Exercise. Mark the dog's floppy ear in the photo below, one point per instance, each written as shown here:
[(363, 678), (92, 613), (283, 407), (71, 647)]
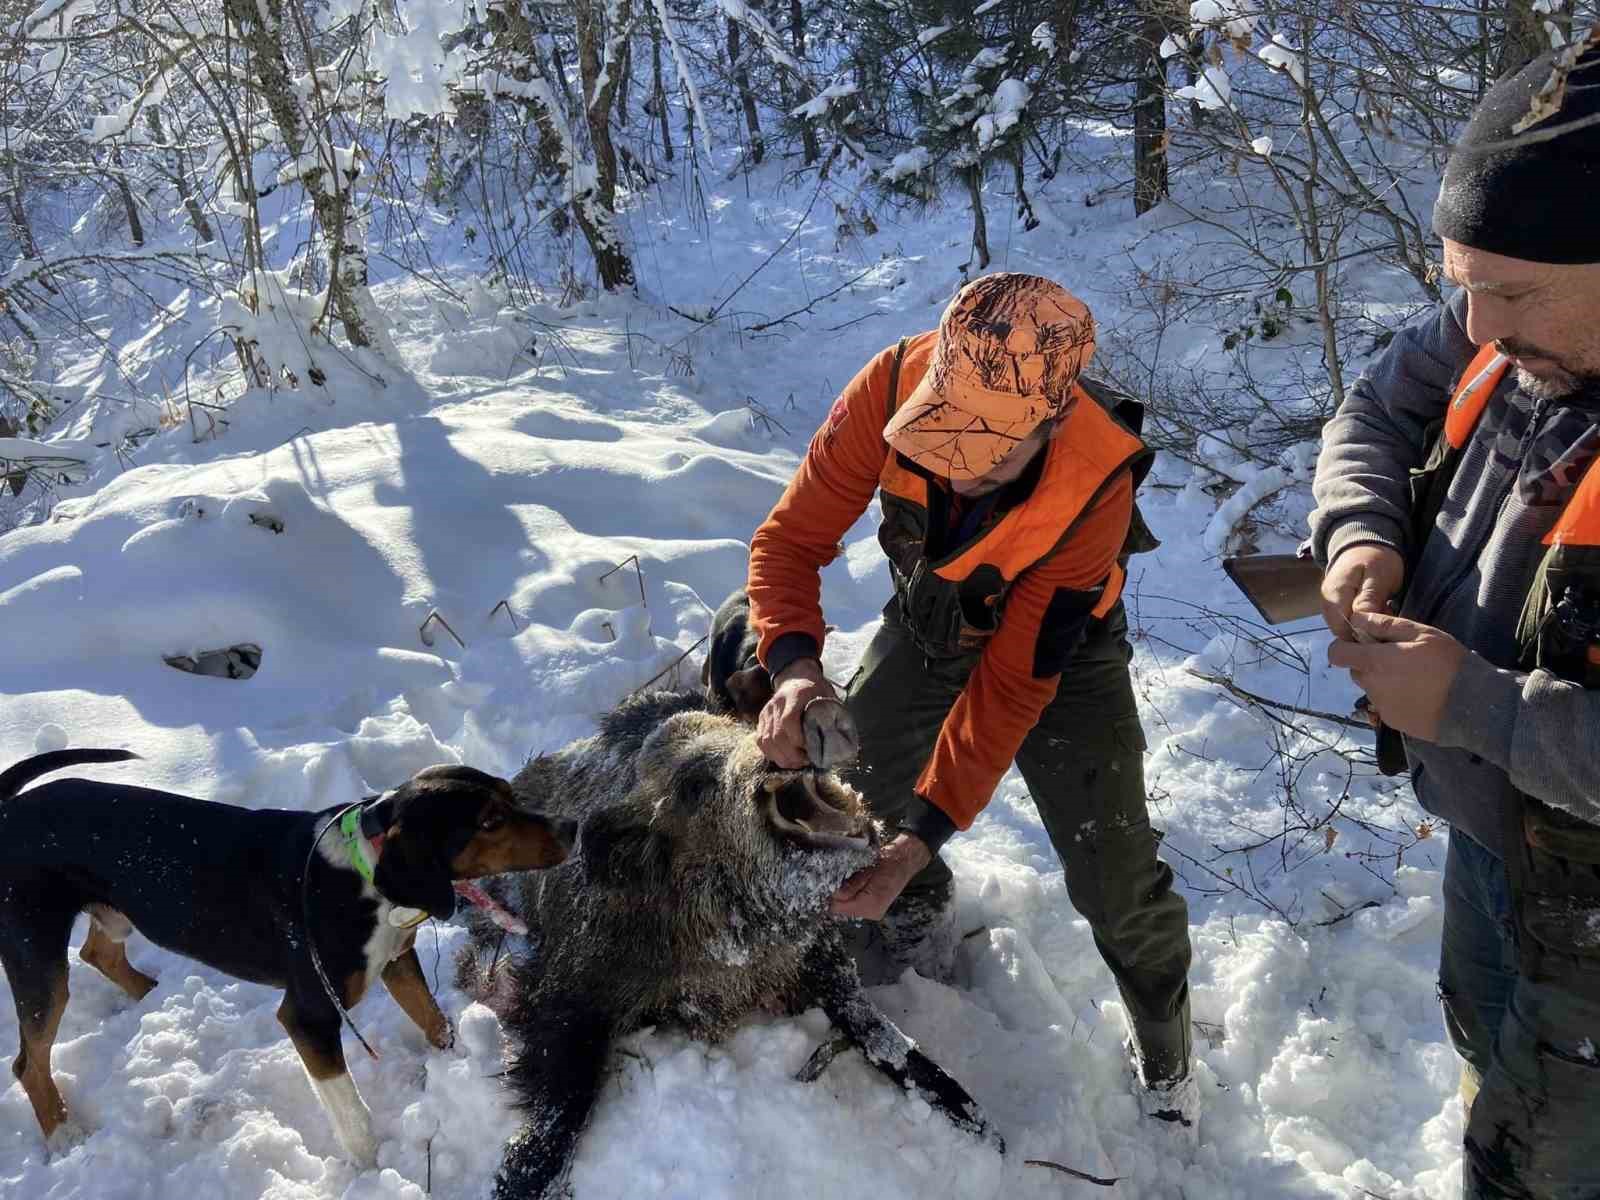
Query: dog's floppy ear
[(616, 845), (413, 874), (750, 688)]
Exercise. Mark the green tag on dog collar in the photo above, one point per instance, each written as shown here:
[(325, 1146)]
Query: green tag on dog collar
[(355, 844)]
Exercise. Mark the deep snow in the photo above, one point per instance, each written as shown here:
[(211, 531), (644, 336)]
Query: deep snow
[(490, 475)]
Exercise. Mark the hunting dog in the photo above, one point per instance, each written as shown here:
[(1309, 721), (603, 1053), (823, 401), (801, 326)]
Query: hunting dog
[(319, 904)]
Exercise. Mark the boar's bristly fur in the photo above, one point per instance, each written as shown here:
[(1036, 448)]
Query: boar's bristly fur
[(698, 892)]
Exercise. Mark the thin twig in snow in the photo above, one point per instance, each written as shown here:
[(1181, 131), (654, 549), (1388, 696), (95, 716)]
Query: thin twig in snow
[(1073, 1171)]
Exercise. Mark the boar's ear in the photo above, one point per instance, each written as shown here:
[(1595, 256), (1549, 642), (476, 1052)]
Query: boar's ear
[(618, 846)]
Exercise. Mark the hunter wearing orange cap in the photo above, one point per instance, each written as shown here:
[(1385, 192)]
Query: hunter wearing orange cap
[(1007, 481)]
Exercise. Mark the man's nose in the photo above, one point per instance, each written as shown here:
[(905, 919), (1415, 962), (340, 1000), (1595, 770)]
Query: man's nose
[(1489, 319)]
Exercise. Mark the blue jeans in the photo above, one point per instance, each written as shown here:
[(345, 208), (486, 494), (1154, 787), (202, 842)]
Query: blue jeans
[(1478, 952), (1521, 999)]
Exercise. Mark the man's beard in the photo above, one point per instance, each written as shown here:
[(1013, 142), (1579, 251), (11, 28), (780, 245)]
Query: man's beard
[(1561, 386), (1562, 382)]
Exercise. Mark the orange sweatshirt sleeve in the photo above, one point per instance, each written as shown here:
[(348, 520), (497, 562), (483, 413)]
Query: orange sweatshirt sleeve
[(1044, 618), (829, 492)]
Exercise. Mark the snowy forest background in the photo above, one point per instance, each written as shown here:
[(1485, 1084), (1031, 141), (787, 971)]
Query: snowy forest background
[(319, 321), (153, 147)]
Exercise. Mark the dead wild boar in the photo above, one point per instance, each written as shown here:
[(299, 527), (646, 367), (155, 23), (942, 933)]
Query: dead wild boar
[(698, 892)]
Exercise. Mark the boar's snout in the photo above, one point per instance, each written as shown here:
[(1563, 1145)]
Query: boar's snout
[(816, 810)]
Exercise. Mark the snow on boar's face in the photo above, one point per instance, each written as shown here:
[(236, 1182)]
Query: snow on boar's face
[(710, 818)]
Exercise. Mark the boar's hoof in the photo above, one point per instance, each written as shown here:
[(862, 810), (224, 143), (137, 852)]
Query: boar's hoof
[(830, 733), (822, 1058)]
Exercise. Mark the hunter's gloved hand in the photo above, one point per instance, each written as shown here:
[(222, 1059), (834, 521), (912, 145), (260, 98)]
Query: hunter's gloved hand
[(781, 727), (869, 892), (1363, 578)]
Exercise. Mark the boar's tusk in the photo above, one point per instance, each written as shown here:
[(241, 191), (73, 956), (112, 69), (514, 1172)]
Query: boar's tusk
[(802, 828)]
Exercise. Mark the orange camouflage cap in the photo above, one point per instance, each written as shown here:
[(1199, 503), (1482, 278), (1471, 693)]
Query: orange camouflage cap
[(1010, 348)]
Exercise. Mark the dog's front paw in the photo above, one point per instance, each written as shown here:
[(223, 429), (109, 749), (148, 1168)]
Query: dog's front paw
[(352, 1120), (830, 732), (68, 1136), (360, 1149), (442, 1036)]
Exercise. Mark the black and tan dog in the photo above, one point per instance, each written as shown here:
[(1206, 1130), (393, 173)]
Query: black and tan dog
[(734, 681), (232, 888)]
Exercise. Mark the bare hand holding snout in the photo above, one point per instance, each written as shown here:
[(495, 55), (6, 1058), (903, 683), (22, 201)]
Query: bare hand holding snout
[(869, 892), (804, 724)]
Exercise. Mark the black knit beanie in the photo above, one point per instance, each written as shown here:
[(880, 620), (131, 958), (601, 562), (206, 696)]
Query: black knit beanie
[(1535, 200)]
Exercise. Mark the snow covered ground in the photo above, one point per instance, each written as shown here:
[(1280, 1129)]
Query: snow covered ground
[(492, 476)]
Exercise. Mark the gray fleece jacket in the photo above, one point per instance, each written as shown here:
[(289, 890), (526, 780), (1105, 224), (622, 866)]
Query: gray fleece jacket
[(1505, 732)]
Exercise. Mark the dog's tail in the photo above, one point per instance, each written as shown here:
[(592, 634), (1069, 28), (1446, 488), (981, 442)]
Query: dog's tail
[(25, 772)]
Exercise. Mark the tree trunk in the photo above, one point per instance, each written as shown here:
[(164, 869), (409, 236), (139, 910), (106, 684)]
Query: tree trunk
[(180, 177), (20, 229), (741, 80), (593, 204), (260, 24), (599, 52), (797, 31), (610, 259), (980, 227), (786, 101), (624, 84), (1064, 24), (1030, 219), (135, 225), (598, 46), (1150, 117), (659, 96), (1524, 38), (1483, 58), (558, 72)]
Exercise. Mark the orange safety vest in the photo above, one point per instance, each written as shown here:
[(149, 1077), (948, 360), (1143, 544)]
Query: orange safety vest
[(952, 604), (1560, 625), (1559, 631)]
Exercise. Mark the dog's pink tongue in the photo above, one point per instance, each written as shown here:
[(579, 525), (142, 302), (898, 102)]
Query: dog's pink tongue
[(478, 898)]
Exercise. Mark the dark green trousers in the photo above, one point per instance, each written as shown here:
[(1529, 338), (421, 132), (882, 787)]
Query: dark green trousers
[(1083, 764), (1520, 982)]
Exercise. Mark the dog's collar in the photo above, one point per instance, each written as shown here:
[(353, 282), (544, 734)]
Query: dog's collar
[(362, 844), (362, 829)]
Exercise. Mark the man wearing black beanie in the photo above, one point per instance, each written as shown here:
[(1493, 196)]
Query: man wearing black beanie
[(1455, 486)]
